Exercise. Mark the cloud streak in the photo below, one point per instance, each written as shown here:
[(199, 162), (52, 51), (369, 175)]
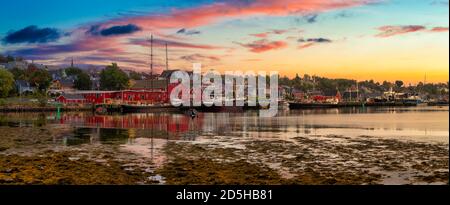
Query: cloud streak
[(174, 44), (263, 45), (188, 32), (271, 32), (32, 34), (114, 30), (307, 43), (390, 31), (199, 57), (439, 29), (206, 14)]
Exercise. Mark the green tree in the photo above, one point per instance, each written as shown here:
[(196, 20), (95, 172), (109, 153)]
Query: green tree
[(39, 78), (135, 75), (6, 82), (83, 81), (19, 74), (112, 78), (73, 71)]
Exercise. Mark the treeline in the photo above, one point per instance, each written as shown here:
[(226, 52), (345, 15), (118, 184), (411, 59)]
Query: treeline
[(307, 83), (111, 78)]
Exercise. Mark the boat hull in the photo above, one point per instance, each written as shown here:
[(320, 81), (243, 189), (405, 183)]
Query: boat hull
[(295, 105)]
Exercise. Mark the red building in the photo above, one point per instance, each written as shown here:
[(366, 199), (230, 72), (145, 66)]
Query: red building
[(71, 99), (152, 91)]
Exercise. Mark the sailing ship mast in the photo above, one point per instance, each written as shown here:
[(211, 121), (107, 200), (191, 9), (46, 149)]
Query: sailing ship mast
[(167, 59), (151, 56), (151, 62)]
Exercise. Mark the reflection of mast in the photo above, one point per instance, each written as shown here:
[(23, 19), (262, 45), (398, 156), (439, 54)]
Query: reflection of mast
[(151, 148), (151, 140)]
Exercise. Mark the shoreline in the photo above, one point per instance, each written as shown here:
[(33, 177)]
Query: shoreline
[(43, 109), (171, 109)]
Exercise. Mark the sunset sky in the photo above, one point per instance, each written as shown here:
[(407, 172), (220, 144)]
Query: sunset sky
[(359, 39)]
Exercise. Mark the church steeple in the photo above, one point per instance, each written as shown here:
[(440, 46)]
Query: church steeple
[(71, 64)]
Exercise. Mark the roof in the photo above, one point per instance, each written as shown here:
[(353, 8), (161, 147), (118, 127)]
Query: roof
[(150, 84), (167, 73), (66, 82)]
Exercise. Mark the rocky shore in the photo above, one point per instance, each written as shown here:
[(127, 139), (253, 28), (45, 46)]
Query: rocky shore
[(36, 155)]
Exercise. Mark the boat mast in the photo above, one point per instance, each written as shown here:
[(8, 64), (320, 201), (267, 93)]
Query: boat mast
[(151, 62), (151, 56), (167, 58)]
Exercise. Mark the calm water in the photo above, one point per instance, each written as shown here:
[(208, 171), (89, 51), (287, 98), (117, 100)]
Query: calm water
[(426, 124)]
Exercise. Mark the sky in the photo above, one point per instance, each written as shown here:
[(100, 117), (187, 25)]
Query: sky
[(359, 39)]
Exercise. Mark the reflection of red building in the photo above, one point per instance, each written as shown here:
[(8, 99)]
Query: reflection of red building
[(168, 123)]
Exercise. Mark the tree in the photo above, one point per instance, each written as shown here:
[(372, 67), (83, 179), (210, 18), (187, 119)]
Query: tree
[(399, 83), (112, 78), (19, 74), (3, 59), (83, 81), (73, 71), (10, 59), (39, 78), (135, 75), (6, 82)]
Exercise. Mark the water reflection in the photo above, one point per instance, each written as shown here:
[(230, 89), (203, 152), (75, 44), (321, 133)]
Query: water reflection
[(417, 123)]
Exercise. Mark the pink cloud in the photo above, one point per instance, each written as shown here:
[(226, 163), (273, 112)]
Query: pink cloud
[(266, 34), (260, 35), (264, 45), (389, 31), (199, 57), (306, 45), (157, 42), (206, 14), (439, 29)]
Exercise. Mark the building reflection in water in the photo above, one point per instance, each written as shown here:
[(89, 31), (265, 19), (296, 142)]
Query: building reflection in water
[(121, 129)]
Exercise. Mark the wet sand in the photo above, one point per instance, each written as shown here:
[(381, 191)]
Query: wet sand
[(29, 155), (316, 160)]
